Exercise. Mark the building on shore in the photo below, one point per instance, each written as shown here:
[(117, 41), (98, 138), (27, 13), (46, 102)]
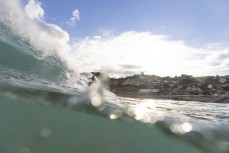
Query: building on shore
[(148, 90)]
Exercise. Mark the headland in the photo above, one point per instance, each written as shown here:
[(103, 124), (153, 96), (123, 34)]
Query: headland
[(185, 87)]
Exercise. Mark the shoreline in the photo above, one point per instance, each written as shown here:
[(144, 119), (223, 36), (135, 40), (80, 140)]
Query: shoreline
[(199, 98)]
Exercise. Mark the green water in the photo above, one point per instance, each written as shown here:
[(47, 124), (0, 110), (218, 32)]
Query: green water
[(67, 131)]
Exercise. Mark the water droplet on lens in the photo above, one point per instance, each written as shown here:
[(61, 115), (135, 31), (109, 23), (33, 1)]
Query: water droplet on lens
[(223, 146), (24, 150), (186, 127), (210, 86), (45, 132), (181, 128), (113, 116), (222, 80), (130, 111), (96, 100), (146, 118), (72, 101)]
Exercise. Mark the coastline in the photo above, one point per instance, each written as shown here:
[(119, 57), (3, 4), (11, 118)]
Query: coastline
[(199, 98)]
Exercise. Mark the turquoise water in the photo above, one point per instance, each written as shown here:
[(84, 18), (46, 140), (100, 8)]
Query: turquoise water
[(45, 107)]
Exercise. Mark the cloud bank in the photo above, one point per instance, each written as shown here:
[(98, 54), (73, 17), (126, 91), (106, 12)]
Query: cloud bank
[(134, 52), (118, 55)]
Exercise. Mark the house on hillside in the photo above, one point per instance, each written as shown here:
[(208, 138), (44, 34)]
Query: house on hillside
[(132, 82), (148, 91)]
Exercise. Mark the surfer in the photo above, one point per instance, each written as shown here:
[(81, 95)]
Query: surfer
[(93, 79), (100, 77)]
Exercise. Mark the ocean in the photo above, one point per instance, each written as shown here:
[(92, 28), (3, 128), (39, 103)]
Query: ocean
[(46, 107)]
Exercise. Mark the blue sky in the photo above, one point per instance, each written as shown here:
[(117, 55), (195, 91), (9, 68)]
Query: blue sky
[(197, 22), (125, 37)]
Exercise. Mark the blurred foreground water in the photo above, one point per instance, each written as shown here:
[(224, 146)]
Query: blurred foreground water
[(37, 115)]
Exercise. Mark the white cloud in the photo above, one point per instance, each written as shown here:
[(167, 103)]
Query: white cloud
[(75, 17), (34, 10), (134, 52)]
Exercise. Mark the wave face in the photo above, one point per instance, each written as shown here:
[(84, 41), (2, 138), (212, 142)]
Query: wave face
[(16, 55), (36, 80)]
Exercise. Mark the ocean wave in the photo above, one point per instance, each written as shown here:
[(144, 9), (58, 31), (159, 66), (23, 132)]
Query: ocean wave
[(18, 54)]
